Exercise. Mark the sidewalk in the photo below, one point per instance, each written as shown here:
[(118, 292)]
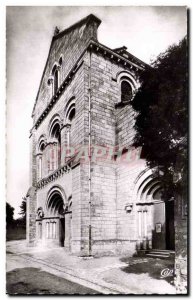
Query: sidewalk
[(114, 275)]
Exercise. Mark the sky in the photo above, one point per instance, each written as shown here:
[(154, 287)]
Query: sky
[(145, 31)]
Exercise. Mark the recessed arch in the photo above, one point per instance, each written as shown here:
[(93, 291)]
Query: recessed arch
[(56, 200), (41, 143), (54, 134), (71, 112), (144, 193), (127, 86), (69, 106), (56, 119), (126, 75), (155, 191), (55, 67), (153, 186), (143, 185)]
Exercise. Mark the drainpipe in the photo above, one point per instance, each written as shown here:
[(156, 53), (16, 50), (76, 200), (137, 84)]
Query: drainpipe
[(89, 153)]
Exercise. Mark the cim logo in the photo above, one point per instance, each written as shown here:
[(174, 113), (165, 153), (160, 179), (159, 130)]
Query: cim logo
[(166, 273)]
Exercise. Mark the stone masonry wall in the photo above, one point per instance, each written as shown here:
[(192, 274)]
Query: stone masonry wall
[(112, 228), (76, 90), (70, 47)]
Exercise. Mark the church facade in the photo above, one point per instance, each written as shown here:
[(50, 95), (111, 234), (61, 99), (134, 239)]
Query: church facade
[(90, 190)]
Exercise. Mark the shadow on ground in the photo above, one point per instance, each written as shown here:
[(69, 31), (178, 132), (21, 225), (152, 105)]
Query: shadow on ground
[(34, 281), (156, 268)]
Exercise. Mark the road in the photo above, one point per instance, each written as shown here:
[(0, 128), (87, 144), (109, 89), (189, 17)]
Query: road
[(25, 277)]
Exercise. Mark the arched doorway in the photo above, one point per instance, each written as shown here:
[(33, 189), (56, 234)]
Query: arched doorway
[(58, 226), (155, 215)]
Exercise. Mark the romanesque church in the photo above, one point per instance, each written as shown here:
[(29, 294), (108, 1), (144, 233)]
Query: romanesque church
[(90, 191)]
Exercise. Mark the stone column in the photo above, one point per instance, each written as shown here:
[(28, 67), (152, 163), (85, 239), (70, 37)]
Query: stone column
[(68, 217), (31, 217), (65, 143)]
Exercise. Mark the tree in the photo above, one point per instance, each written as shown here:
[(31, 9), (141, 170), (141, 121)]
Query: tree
[(23, 208), (161, 125), (9, 214)]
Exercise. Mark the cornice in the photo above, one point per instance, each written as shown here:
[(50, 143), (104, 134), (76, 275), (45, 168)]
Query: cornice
[(57, 173)]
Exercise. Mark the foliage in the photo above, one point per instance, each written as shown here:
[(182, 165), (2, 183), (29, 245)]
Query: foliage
[(23, 209), (161, 125), (9, 214)]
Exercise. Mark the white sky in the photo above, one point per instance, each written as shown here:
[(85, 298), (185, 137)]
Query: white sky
[(145, 31)]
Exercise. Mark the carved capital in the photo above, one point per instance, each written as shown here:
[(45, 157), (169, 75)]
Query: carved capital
[(40, 212)]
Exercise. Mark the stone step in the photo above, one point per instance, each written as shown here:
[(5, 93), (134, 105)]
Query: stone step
[(157, 255), (160, 250)]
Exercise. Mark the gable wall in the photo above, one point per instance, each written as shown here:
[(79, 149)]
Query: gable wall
[(70, 46)]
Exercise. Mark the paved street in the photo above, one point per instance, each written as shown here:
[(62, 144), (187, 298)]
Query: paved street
[(35, 281), (48, 271)]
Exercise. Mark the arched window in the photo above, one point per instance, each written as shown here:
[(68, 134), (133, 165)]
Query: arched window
[(128, 85), (126, 91), (61, 69), (60, 61), (56, 78), (70, 116), (71, 113), (55, 149), (40, 158)]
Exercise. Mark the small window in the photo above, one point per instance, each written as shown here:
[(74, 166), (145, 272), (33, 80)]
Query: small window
[(71, 115), (60, 61), (126, 91), (56, 78)]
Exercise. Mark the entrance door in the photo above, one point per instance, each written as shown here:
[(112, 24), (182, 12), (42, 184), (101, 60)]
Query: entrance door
[(159, 228), (163, 235), (62, 232)]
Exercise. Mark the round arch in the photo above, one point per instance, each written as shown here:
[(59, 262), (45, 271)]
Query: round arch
[(69, 109), (56, 119), (125, 75), (41, 143), (144, 186), (56, 200), (55, 67)]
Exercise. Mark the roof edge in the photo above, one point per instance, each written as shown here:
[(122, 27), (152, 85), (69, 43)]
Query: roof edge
[(87, 19)]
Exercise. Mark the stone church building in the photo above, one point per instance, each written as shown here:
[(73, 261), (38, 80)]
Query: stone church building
[(90, 191)]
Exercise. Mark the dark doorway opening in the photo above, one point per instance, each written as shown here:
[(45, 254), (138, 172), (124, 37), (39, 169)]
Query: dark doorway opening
[(170, 231), (62, 231)]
